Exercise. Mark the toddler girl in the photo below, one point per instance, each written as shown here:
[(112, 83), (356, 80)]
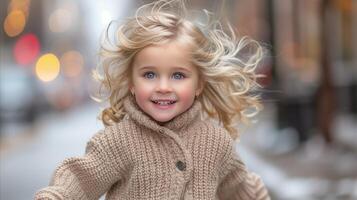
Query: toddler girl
[(169, 83)]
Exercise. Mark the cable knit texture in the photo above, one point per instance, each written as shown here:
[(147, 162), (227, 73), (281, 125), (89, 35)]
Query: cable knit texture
[(137, 158)]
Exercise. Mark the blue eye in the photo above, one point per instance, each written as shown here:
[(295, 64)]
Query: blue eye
[(178, 75), (149, 75)]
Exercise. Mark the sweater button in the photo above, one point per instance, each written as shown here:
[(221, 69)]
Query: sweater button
[(181, 165)]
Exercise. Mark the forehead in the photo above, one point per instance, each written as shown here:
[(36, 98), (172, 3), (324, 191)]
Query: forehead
[(172, 54)]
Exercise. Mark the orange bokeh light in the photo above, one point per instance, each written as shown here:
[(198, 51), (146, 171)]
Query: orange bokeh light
[(22, 5), (14, 23)]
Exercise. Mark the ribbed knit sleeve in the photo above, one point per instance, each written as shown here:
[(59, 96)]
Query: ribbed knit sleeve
[(86, 177), (238, 183)]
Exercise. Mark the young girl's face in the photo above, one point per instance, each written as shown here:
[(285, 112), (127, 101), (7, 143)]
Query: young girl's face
[(164, 80)]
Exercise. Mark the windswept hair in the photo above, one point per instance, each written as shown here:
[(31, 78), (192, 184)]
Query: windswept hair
[(226, 64)]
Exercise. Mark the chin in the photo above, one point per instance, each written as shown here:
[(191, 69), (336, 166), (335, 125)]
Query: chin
[(163, 119)]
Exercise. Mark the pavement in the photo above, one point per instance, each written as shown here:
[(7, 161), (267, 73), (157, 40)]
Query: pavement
[(309, 171), (29, 160), (312, 171)]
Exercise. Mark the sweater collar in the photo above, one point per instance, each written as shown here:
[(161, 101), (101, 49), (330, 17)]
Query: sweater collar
[(175, 124)]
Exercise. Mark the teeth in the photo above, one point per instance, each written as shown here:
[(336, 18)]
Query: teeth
[(163, 102)]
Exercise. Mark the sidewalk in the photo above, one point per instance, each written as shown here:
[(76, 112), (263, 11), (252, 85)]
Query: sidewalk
[(312, 171), (30, 159)]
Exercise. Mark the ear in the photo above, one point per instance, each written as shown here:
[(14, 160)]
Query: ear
[(132, 90), (199, 88)]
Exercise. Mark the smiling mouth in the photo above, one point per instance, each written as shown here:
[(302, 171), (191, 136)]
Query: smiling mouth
[(163, 102)]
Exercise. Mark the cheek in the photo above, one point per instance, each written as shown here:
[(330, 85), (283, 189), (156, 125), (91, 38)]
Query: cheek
[(142, 90), (142, 95), (187, 92)]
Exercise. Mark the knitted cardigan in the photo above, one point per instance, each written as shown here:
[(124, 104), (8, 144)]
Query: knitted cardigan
[(137, 158)]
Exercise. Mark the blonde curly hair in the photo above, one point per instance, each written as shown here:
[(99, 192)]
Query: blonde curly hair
[(226, 64)]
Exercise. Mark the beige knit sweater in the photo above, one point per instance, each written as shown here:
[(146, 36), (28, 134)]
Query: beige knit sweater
[(186, 158)]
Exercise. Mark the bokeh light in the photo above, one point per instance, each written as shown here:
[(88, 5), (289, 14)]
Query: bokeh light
[(26, 49), (72, 63), (22, 5), (47, 67), (344, 5), (60, 21), (14, 23)]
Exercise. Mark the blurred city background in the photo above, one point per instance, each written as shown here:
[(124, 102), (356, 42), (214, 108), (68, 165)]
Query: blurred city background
[(304, 143)]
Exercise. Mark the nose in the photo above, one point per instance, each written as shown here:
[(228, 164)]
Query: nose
[(164, 86)]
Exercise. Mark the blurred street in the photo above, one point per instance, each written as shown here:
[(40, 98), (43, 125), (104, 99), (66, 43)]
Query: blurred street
[(313, 171), (27, 166)]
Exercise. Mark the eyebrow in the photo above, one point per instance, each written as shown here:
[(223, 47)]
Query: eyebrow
[(174, 68)]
